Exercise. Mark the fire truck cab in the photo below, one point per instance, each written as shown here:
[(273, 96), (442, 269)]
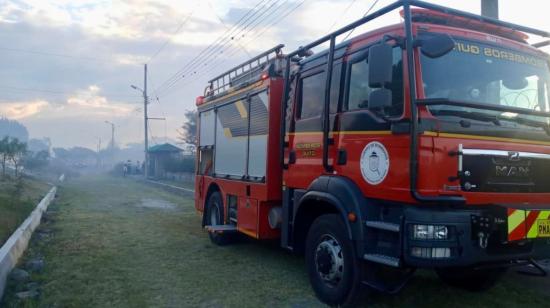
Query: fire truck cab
[(424, 144)]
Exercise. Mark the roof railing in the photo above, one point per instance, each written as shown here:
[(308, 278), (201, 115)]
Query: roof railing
[(224, 81)]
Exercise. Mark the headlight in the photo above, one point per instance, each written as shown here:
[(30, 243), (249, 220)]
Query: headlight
[(430, 232)]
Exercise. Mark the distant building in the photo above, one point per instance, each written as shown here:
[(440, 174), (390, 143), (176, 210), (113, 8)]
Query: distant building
[(161, 156)]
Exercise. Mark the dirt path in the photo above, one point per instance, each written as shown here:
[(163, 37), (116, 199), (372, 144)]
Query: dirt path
[(111, 242)]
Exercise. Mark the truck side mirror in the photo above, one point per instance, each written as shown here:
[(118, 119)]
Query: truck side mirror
[(380, 65), (380, 99), (436, 46)]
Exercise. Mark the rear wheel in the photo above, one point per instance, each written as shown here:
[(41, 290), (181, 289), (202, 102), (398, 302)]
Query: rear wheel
[(470, 279), (334, 271), (214, 217)]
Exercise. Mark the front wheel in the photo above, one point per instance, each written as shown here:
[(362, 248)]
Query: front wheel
[(334, 271), (468, 278)]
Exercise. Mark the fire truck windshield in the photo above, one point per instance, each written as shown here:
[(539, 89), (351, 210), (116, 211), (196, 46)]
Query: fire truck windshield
[(487, 74)]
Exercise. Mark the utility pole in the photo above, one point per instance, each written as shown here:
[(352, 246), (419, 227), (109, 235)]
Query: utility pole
[(112, 133), (98, 151), (145, 102), (489, 8), (145, 117)]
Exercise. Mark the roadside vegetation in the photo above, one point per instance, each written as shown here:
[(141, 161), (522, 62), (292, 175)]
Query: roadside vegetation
[(114, 242), (18, 197)]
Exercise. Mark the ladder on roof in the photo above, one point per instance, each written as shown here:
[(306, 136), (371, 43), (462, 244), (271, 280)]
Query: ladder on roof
[(224, 81)]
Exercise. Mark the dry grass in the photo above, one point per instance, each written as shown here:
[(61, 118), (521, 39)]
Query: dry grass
[(110, 249)]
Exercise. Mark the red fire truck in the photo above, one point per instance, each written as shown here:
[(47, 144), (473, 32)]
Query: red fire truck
[(424, 144)]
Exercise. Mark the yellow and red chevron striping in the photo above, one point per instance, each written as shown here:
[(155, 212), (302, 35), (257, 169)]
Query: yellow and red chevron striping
[(523, 224)]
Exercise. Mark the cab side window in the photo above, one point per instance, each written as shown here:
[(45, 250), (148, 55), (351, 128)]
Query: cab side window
[(312, 96), (358, 84)]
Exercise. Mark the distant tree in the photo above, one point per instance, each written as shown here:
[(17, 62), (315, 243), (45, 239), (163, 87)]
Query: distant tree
[(13, 129), (36, 160), (16, 152), (37, 145), (4, 148), (61, 153), (187, 133)]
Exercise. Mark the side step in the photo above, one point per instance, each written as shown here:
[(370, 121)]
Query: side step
[(221, 228), (382, 259), (387, 226)]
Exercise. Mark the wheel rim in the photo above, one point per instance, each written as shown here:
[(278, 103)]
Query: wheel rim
[(214, 214), (329, 261)]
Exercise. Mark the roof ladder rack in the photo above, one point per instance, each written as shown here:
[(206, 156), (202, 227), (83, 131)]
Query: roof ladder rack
[(223, 82)]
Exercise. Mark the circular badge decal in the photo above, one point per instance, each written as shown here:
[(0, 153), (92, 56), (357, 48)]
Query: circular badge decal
[(375, 163)]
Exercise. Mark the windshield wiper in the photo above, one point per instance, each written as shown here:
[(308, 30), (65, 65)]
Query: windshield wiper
[(481, 106), (523, 121), (478, 116)]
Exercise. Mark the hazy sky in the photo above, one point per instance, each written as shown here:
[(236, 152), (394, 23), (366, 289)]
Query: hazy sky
[(67, 65)]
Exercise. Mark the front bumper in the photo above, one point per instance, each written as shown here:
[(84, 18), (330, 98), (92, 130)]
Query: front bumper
[(475, 236)]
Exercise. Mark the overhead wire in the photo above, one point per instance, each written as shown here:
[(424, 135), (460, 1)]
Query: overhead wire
[(169, 39), (55, 54), (367, 13), (213, 43), (56, 92), (273, 21), (226, 27), (209, 61), (221, 41), (218, 45), (338, 18)]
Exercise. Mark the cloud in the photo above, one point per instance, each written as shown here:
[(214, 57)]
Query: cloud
[(92, 103), (20, 110)]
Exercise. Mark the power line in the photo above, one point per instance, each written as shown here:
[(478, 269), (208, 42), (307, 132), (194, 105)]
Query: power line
[(220, 39), (221, 49), (367, 13), (53, 54), (276, 18), (59, 92), (225, 26), (273, 21), (169, 39), (212, 47), (341, 15)]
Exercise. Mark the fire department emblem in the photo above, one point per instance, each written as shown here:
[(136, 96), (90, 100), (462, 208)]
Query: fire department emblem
[(375, 163)]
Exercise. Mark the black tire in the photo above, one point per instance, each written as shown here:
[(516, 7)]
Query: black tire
[(328, 245), (214, 210), (468, 278)]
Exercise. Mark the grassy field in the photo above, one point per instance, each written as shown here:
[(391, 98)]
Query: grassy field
[(118, 243), (17, 201)]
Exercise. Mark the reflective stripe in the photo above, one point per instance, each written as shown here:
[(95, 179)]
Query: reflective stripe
[(516, 224), (533, 231), (514, 220)]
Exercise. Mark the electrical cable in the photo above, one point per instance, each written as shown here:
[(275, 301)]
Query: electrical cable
[(209, 47), (275, 20), (169, 39), (213, 56), (367, 13)]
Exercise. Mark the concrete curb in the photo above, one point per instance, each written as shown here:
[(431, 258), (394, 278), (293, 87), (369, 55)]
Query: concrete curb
[(16, 245)]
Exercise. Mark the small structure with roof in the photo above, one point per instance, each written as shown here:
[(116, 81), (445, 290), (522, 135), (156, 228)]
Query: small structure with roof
[(160, 157)]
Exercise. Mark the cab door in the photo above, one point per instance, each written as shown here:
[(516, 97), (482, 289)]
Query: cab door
[(368, 151), (305, 136)]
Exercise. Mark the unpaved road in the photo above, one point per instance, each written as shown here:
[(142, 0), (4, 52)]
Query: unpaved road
[(112, 242)]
